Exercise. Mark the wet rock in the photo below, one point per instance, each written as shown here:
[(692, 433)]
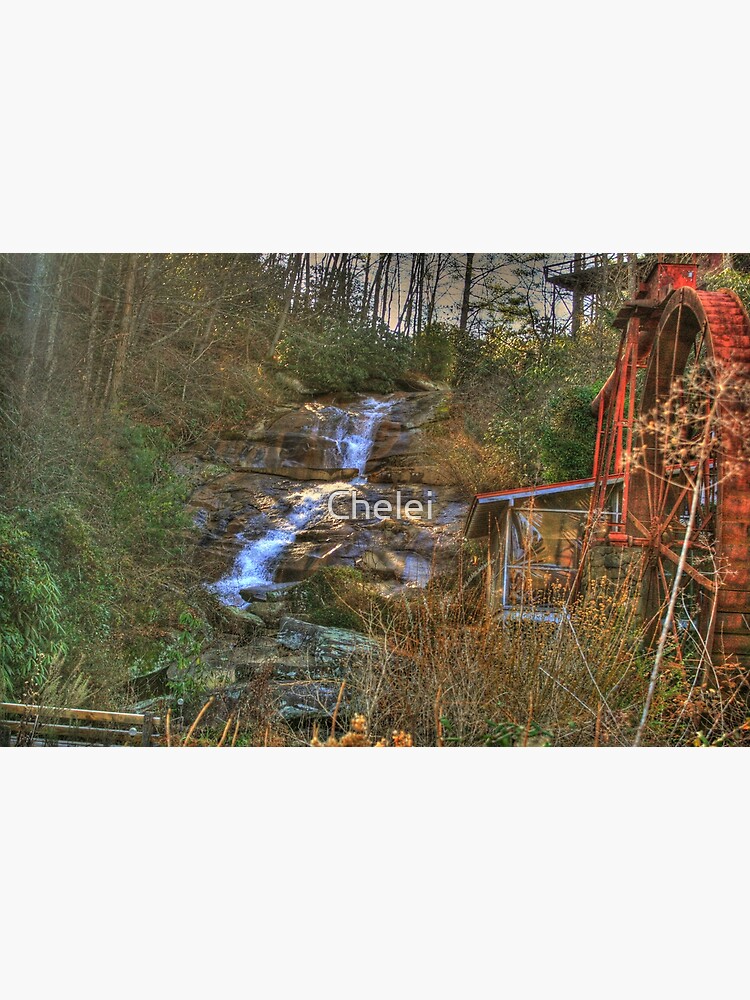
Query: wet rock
[(295, 440), (381, 476), (298, 564), (229, 451), (244, 617), (388, 524), (395, 444), (386, 428), (303, 472), (404, 566), (308, 700), (278, 595), (330, 647), (325, 533), (383, 563), (310, 437), (253, 594), (270, 612)]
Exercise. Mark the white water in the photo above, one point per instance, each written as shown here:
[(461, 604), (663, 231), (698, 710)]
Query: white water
[(352, 435), (356, 434), (256, 562)]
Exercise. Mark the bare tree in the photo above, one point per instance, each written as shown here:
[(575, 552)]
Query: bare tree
[(126, 332), (463, 324)]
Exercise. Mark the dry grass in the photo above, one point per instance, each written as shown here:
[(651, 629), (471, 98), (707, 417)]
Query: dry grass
[(452, 672)]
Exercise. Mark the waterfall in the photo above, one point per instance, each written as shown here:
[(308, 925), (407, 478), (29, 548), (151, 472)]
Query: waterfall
[(350, 436), (255, 564), (349, 433), (356, 443)]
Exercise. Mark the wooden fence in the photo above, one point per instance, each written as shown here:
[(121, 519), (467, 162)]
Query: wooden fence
[(42, 725)]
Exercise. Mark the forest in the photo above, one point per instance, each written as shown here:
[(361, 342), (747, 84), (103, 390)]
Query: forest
[(170, 429)]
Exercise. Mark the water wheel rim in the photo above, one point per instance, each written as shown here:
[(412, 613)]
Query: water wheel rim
[(701, 336)]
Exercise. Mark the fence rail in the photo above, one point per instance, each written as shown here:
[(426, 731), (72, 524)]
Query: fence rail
[(32, 724)]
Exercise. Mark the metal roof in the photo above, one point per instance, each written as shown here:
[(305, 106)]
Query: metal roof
[(484, 505)]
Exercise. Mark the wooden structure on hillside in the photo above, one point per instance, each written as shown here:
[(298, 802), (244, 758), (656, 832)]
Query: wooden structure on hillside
[(586, 286)]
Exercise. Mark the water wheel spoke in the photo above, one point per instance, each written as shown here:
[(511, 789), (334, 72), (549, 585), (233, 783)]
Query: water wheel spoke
[(664, 581), (700, 342), (679, 502), (704, 581)]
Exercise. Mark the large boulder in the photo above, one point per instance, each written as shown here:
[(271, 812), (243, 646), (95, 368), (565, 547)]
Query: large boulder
[(241, 617), (307, 700), (331, 648), (296, 440)]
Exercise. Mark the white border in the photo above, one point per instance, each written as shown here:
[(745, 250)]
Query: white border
[(406, 126)]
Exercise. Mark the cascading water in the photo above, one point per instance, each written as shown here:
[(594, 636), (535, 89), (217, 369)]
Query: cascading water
[(350, 434), (255, 564)]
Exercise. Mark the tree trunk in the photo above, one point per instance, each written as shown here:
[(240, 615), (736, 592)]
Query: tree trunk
[(146, 297), (376, 291), (33, 319), (421, 274), (307, 279), (405, 314), (365, 289), (106, 355), (126, 331), (293, 267), (327, 281), (466, 299), (632, 275), (577, 318), (385, 307), (94, 326), (50, 357), (432, 304)]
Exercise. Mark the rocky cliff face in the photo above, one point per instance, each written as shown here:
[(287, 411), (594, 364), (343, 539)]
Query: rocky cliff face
[(267, 520)]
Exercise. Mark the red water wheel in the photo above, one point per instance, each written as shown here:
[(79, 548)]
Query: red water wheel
[(687, 480)]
